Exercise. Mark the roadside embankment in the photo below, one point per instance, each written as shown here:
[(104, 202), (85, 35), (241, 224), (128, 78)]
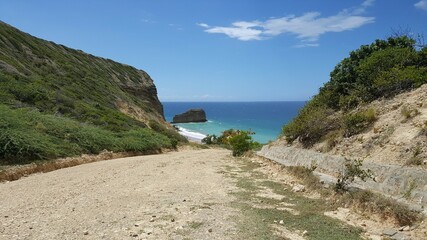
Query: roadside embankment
[(404, 184)]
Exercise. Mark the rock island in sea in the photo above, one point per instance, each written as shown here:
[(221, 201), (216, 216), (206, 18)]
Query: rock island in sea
[(192, 115)]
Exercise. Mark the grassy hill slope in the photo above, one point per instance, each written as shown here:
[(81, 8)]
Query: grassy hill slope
[(56, 101)]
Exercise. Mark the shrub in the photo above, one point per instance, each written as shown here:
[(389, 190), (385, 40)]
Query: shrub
[(172, 134), (307, 177), (357, 122), (415, 159), (331, 140), (370, 202), (27, 135), (352, 169), (396, 80), (408, 113), (93, 140), (241, 143), (142, 140), (311, 124), (226, 135)]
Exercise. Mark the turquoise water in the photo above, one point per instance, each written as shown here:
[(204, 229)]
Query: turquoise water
[(264, 118)]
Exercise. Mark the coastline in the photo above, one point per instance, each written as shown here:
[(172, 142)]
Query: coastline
[(191, 136)]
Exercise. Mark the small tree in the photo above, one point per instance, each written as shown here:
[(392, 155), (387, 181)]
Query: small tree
[(351, 171), (241, 142)]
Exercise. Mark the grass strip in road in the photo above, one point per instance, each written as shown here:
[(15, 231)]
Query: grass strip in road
[(262, 215)]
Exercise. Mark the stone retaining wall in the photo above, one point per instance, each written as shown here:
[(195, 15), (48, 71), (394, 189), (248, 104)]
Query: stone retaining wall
[(391, 180)]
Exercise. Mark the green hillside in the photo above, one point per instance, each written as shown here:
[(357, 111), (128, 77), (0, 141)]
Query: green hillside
[(381, 69), (56, 101)]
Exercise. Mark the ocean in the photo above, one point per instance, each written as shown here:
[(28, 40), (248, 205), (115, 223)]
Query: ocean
[(264, 118)]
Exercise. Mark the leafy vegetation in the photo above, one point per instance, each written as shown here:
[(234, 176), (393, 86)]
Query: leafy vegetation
[(356, 122), (381, 69), (353, 169), (239, 141), (56, 102), (27, 135)]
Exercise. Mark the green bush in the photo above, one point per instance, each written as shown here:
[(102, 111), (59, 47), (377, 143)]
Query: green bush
[(173, 135), (311, 124), (396, 80), (352, 169), (357, 122), (93, 140), (142, 140), (381, 69), (241, 143)]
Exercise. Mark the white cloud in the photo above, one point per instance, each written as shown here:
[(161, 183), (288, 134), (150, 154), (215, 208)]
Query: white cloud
[(421, 5), (303, 45), (244, 31), (362, 8), (368, 3), (203, 25), (307, 27)]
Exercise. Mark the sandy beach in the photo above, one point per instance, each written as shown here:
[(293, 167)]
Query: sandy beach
[(191, 136)]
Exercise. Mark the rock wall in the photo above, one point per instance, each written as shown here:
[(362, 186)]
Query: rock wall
[(391, 180)]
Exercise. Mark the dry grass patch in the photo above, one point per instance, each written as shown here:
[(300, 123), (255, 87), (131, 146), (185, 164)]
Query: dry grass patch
[(16, 172)]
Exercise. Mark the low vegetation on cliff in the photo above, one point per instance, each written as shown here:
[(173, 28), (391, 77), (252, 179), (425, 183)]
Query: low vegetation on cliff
[(56, 102), (382, 69)]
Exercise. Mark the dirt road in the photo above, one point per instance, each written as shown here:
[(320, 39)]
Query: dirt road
[(190, 194), (168, 196)]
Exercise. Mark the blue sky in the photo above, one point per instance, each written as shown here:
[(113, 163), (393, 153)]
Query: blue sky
[(218, 50)]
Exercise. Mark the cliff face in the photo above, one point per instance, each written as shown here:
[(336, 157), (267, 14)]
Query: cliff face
[(63, 81)]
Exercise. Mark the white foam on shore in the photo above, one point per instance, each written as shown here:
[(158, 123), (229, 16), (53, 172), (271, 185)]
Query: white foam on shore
[(192, 136)]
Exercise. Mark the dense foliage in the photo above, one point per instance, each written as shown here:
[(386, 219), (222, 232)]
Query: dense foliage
[(27, 135), (381, 69), (239, 141)]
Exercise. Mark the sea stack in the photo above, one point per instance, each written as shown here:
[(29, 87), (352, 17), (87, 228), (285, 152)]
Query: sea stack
[(192, 115)]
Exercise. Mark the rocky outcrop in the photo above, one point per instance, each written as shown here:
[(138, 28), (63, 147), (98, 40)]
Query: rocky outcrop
[(142, 87), (192, 115)]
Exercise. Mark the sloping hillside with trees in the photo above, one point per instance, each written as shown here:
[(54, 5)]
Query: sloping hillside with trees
[(374, 72)]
